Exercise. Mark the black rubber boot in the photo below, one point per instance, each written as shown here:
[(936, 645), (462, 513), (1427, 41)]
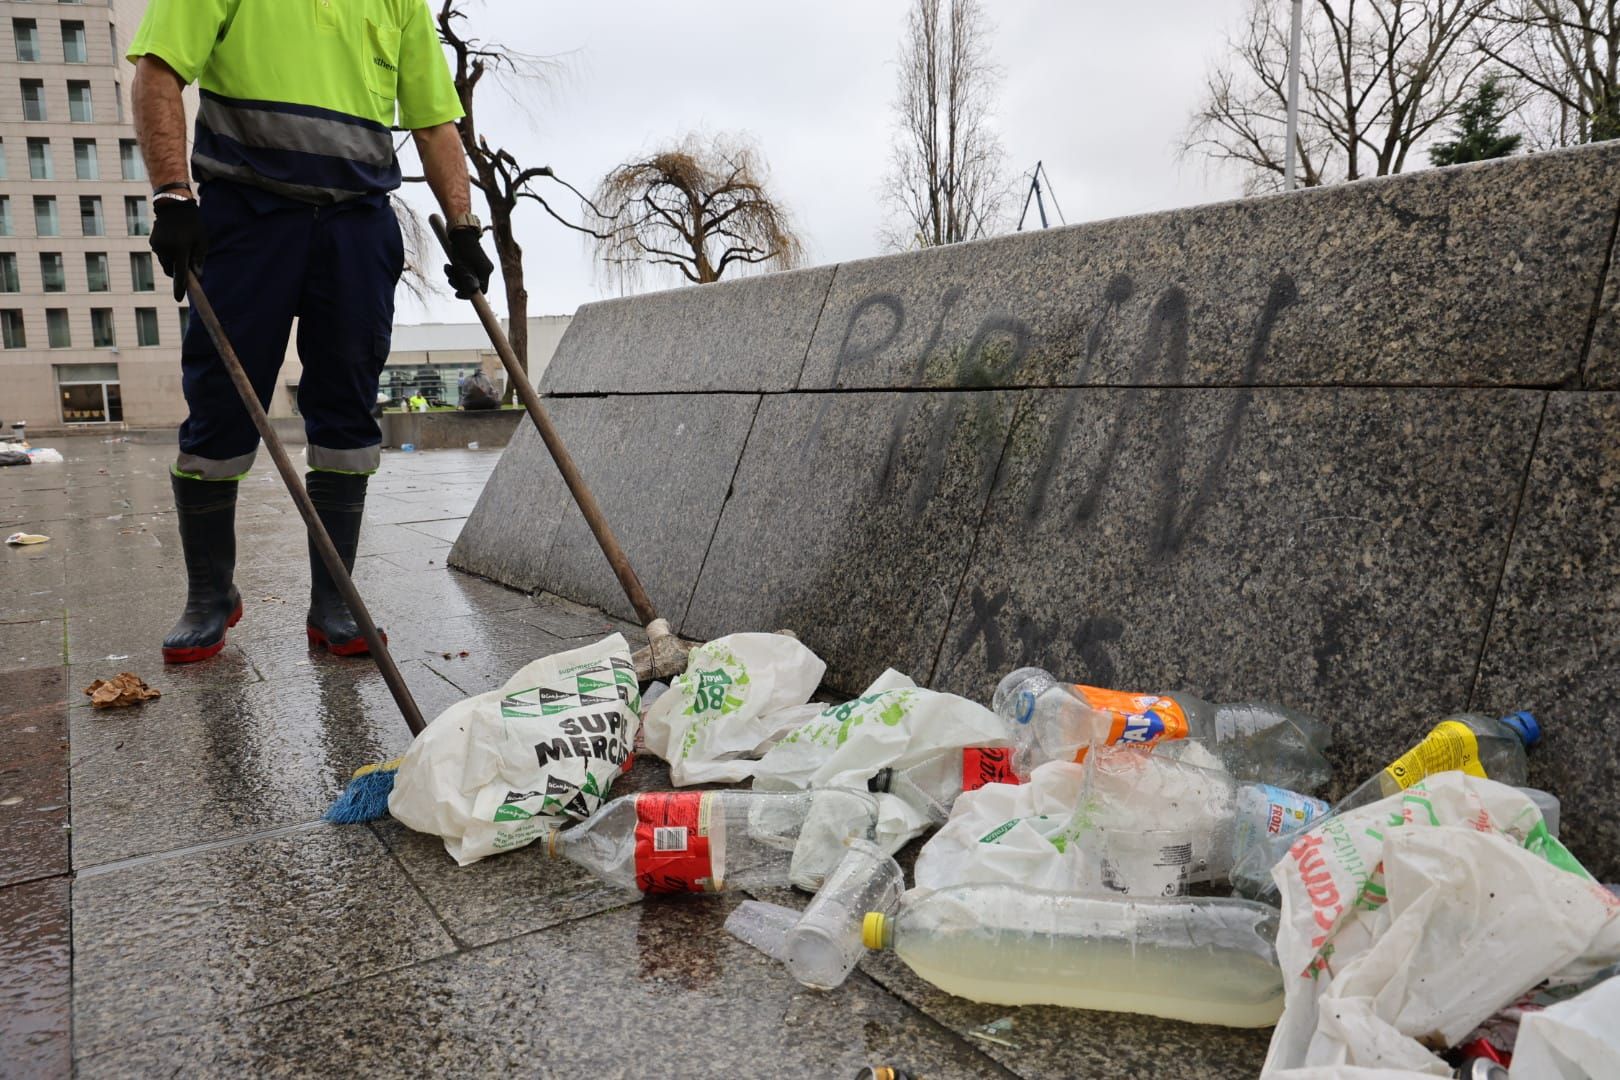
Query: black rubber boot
[(340, 500), (207, 516)]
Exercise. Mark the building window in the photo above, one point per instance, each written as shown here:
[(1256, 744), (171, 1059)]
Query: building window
[(86, 164), (75, 45), (90, 218), (51, 272), (26, 31), (101, 328), (57, 330), (79, 108), (146, 330), (45, 222), (2, 159), (90, 393), (39, 160), (96, 273), (8, 273), (33, 95), (140, 271), (129, 159), (5, 215), (185, 321), (135, 219), (11, 329)]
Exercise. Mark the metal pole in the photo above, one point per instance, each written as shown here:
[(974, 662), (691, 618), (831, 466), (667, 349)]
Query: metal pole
[(1290, 152)]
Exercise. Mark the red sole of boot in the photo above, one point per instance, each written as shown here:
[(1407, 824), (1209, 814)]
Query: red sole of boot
[(190, 654), (352, 647)]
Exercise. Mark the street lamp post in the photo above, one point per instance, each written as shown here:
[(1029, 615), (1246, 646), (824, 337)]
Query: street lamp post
[(1290, 151)]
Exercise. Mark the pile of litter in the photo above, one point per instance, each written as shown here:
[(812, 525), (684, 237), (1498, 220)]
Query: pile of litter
[(122, 690), (1091, 848)]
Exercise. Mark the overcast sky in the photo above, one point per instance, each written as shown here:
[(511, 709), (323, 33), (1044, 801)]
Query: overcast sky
[(1098, 89)]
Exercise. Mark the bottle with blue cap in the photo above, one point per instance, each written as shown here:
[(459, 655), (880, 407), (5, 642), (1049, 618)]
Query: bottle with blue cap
[(1477, 744)]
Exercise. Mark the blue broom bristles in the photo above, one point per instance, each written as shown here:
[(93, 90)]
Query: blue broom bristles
[(366, 797)]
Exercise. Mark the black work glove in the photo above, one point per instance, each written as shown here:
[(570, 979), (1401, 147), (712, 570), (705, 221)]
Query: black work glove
[(179, 239), (469, 268)]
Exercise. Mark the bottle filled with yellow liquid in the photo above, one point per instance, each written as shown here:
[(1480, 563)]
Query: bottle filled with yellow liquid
[(1204, 960)]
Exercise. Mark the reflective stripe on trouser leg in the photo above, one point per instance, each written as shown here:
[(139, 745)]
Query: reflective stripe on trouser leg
[(362, 460), (202, 468)]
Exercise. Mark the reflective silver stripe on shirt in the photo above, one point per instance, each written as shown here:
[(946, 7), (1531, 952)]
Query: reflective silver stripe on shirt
[(305, 134), (207, 168), (214, 468), (365, 459)]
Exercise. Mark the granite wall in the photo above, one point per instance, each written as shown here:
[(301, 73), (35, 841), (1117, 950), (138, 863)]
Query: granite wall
[(1355, 449)]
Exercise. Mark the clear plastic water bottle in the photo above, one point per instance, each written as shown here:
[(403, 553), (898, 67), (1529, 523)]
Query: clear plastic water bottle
[(933, 784), (1471, 742), (710, 841), (1057, 721), (1205, 960), (824, 946)]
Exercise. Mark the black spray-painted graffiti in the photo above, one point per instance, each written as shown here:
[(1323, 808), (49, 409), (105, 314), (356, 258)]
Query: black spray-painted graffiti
[(994, 357)]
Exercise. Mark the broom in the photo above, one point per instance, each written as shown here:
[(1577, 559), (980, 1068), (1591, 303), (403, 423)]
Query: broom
[(366, 797)]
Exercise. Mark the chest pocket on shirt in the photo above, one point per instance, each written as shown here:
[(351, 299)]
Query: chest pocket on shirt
[(382, 60)]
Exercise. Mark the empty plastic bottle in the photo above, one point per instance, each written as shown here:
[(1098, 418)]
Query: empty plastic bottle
[(1471, 742), (709, 841), (1204, 960), (1055, 720)]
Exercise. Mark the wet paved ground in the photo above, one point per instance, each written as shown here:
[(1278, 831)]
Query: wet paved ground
[(184, 912)]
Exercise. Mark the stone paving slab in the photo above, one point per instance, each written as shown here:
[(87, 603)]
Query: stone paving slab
[(660, 990), (195, 768), (33, 775), (35, 983), (170, 943)]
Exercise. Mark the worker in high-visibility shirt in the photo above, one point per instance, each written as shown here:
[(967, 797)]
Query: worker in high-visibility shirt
[(294, 159)]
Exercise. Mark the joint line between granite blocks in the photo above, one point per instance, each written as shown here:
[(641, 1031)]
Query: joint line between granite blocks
[(810, 343), (742, 452), (404, 872), (1507, 550), (978, 534), (1597, 300), (946, 388)]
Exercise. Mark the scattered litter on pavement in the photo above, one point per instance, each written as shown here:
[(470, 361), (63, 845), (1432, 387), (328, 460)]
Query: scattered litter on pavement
[(45, 455), (116, 657), (11, 456), (408, 448), (472, 446), (994, 1032), (20, 539), (271, 599), (124, 689), (463, 654)]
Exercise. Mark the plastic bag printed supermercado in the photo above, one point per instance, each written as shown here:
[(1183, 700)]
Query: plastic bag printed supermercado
[(500, 770)]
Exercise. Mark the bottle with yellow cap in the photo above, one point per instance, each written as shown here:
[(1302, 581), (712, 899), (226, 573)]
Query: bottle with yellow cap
[(1204, 960)]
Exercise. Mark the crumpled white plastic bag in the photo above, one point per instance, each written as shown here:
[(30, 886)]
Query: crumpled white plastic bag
[(500, 770), (1573, 1039), (730, 702), (895, 724), (1408, 922)]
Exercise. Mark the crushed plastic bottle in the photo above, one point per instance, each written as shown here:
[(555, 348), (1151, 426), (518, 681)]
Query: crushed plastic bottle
[(710, 841), (1055, 721), (824, 946), (1473, 743), (1203, 960)]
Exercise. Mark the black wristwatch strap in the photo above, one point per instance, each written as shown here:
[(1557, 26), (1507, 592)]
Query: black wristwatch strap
[(176, 186)]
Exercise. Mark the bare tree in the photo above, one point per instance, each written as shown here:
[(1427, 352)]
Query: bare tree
[(946, 182), (700, 207), (1377, 78), (1566, 55)]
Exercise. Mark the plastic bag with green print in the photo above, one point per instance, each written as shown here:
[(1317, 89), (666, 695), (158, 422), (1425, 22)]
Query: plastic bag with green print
[(738, 694), (895, 725)]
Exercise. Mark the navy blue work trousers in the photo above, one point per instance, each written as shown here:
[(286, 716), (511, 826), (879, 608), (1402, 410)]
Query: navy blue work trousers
[(272, 259)]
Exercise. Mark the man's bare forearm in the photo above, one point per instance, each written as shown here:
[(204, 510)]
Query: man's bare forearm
[(160, 121), (445, 165)]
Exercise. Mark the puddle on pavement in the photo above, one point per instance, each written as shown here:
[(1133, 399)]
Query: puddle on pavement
[(34, 978)]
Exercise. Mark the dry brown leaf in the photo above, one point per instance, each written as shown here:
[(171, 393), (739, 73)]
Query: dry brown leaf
[(125, 688)]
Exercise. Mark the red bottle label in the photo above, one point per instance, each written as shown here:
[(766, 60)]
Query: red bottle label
[(983, 765), (672, 842)]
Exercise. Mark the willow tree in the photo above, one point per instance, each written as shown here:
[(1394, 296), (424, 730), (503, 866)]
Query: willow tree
[(700, 208)]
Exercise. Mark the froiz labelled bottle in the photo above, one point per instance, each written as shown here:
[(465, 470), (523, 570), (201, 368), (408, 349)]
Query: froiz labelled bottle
[(1205, 960), (1054, 721), (711, 841)]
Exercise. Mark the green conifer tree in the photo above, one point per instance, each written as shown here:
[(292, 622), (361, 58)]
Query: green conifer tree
[(1478, 135)]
